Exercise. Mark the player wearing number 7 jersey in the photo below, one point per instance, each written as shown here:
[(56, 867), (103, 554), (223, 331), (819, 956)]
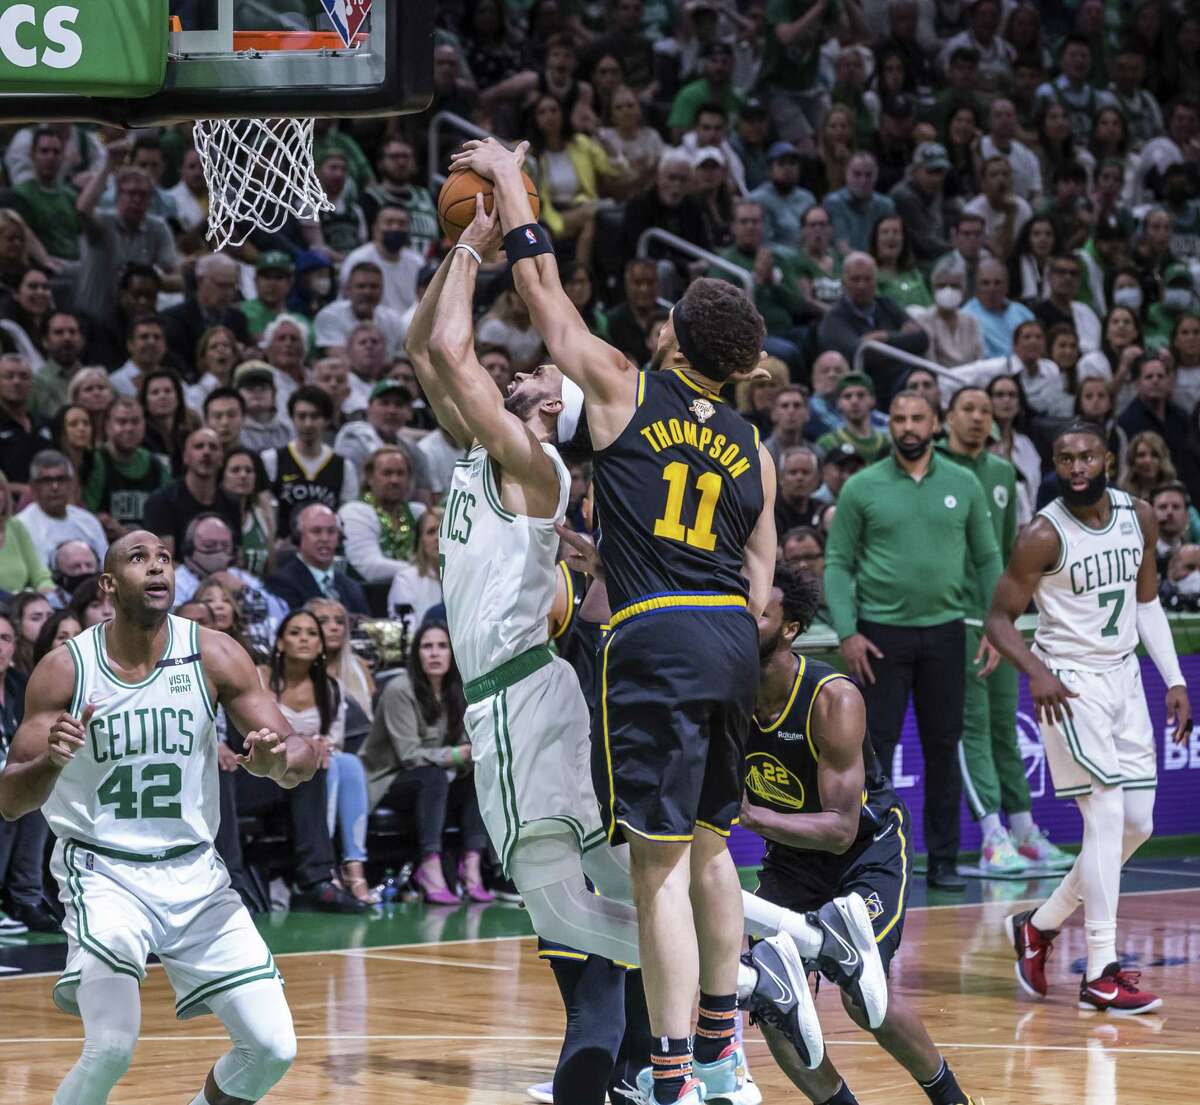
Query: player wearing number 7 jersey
[(684, 497), (118, 747), (1087, 561)]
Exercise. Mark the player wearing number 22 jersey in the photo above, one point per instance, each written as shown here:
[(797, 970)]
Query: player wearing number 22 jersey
[(678, 494)]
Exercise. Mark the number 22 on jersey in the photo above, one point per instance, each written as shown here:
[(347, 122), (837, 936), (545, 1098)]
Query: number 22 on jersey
[(700, 534)]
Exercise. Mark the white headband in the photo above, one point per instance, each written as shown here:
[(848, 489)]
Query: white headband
[(572, 408)]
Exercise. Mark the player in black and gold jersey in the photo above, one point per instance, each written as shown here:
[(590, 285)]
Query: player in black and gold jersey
[(833, 825), (684, 494)]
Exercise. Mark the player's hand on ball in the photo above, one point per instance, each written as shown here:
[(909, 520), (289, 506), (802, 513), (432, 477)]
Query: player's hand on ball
[(579, 551), (488, 156), (266, 754), (67, 735), (483, 234), (1050, 697), (1179, 714)]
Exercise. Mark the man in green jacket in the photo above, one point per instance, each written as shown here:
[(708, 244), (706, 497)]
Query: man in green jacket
[(993, 771), (905, 530)]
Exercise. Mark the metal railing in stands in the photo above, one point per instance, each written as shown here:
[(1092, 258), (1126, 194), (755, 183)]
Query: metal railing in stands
[(666, 238), (910, 359), (464, 126)]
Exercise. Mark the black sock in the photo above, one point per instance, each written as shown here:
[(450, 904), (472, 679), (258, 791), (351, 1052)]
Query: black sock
[(842, 1097), (943, 1088), (716, 1027), (671, 1061)]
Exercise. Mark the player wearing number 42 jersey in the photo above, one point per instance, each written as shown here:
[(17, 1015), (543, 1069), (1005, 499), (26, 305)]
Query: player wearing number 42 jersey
[(1087, 561), (118, 747), (684, 494)]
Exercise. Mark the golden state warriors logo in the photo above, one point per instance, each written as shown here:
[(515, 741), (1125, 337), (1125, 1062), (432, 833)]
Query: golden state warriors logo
[(768, 779), (702, 410)]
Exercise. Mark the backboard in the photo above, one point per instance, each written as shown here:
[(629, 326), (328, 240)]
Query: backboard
[(168, 61)]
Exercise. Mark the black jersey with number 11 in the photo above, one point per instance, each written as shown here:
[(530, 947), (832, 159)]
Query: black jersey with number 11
[(677, 495)]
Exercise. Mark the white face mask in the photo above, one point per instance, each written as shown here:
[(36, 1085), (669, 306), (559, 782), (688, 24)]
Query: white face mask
[(1189, 585), (1177, 299), (948, 298), (1128, 297), (322, 284)]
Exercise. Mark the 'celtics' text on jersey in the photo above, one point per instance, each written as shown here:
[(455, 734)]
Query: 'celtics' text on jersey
[(145, 780)]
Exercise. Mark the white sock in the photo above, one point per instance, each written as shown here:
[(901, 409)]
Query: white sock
[(746, 981), (990, 823), (1021, 824), (763, 918), (1096, 877)]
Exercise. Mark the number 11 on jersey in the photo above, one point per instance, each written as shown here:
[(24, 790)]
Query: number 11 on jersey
[(670, 525)]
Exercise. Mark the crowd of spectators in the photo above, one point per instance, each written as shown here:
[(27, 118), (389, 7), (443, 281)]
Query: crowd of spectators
[(1008, 192)]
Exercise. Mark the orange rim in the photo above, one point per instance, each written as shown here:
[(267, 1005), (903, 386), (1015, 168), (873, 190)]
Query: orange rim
[(272, 41)]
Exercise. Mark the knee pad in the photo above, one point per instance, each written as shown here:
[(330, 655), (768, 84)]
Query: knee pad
[(254, 1066), (107, 1054)]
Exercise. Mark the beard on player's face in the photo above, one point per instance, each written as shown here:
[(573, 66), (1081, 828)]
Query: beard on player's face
[(1087, 496), (522, 401)]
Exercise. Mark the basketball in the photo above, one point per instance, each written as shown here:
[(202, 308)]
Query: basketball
[(456, 200)]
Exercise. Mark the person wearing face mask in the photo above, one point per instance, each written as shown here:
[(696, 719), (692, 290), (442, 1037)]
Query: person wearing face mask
[(955, 338), (1180, 589), (389, 248), (73, 562), (1178, 297), (313, 286)]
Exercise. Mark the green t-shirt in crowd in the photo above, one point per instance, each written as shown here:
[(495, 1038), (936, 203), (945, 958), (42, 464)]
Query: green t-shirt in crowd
[(777, 301), (907, 289), (899, 547), (691, 96), (794, 68), (998, 478), (51, 215), (871, 448)]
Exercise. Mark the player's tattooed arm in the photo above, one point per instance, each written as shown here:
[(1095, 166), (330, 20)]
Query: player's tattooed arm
[(47, 738), (272, 749), (1036, 552), (758, 565), (839, 725)]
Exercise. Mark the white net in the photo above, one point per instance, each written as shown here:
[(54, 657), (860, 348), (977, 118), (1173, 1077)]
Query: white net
[(259, 172)]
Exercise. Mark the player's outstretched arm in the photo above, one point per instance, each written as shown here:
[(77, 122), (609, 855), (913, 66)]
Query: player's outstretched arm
[(839, 725), (272, 749), (47, 738), (1154, 630), (604, 373), (506, 438), (758, 564), (416, 345), (1036, 552)]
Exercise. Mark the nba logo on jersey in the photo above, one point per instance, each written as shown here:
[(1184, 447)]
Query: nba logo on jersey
[(347, 17), (530, 237)]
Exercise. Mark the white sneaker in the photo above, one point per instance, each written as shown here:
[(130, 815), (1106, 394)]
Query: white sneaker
[(9, 926), (543, 1091)]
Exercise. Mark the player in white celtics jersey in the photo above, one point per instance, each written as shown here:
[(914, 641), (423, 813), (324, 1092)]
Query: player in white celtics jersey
[(118, 748), (1087, 561)]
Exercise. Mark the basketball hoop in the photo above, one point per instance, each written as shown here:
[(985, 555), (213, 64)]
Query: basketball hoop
[(259, 173)]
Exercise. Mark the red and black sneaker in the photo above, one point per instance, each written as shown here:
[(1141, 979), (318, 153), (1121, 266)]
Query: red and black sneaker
[(1033, 948), (1116, 992)]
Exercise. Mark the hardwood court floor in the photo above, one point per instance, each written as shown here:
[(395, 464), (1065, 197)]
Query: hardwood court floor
[(473, 1021)]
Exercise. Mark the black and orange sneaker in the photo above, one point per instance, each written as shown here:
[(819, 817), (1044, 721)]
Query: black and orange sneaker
[(1116, 992), (1033, 948)]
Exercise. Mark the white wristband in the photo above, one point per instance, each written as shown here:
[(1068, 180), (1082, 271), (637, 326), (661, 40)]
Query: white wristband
[(469, 249), (1155, 633)]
